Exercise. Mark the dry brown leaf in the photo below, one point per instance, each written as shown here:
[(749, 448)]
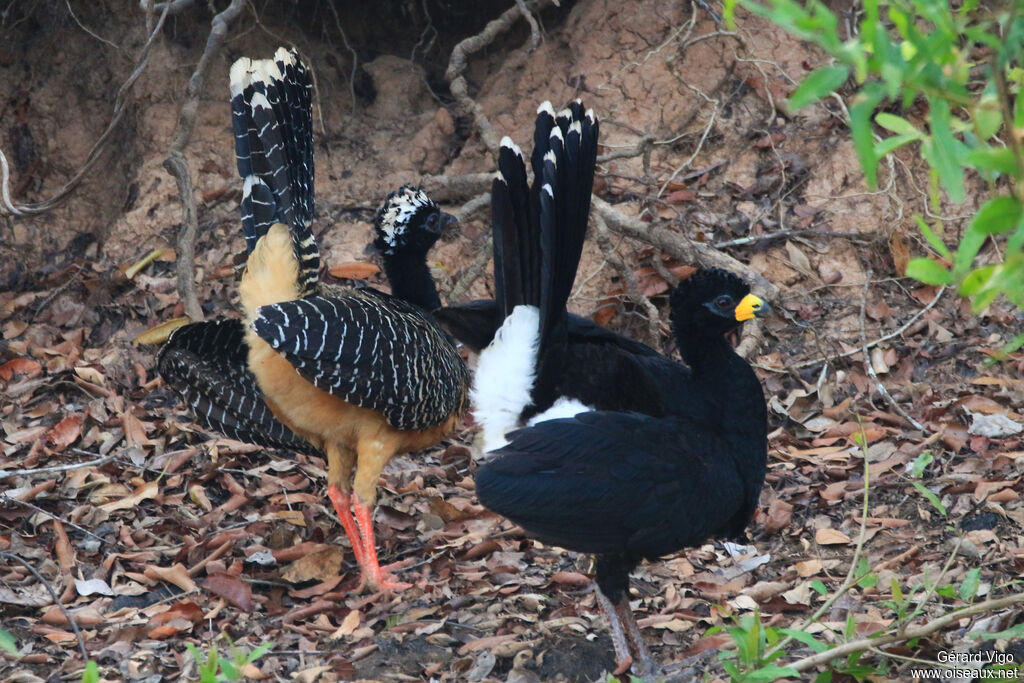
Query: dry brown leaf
[(354, 270), (91, 375), (20, 366), (830, 537), (486, 643), (779, 514), (798, 258), (66, 432), (570, 579), (231, 588), (175, 574), (291, 516), (808, 568), (158, 334), (144, 492), (317, 566), (349, 624), (14, 328)]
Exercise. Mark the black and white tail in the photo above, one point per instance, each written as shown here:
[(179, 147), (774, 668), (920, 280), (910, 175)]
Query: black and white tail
[(272, 117), (538, 239)]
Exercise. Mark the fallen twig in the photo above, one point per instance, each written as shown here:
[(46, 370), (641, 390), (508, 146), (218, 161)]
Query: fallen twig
[(177, 166), (869, 367), (4, 474), (678, 246), (907, 634), (56, 600)]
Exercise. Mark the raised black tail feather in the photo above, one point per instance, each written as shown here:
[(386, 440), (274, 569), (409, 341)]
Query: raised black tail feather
[(272, 119), (206, 364), (563, 228), (539, 233)]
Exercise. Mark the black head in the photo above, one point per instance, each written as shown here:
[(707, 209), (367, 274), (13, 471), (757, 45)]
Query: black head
[(713, 301), (410, 222)]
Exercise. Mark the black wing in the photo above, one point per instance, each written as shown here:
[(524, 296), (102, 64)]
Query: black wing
[(624, 483), (207, 364), (374, 351)]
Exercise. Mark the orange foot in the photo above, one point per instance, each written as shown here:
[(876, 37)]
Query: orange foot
[(375, 577)]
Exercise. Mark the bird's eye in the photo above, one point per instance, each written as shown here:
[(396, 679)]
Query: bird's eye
[(431, 220), (723, 302)]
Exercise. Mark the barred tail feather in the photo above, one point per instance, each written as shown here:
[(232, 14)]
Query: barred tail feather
[(271, 106)]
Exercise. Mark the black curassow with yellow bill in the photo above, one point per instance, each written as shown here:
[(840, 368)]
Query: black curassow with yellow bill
[(352, 372), (623, 485)]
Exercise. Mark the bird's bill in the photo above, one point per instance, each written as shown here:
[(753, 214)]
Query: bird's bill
[(751, 306)]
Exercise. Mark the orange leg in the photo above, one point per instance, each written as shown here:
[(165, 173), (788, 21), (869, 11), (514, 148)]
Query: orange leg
[(343, 506), (374, 577)]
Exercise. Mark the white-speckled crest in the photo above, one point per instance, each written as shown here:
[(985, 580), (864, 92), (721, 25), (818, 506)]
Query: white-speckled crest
[(398, 210)]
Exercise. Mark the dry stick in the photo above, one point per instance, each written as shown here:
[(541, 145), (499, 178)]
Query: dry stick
[(869, 367), (457, 64), (677, 245), (633, 290), (6, 498), (895, 333), (56, 599), (471, 272), (94, 154), (176, 165), (908, 634), (4, 474), (456, 187)]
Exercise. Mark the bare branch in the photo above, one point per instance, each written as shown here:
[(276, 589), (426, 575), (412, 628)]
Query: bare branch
[(4, 474), (98, 148), (177, 166), (457, 64), (678, 246)]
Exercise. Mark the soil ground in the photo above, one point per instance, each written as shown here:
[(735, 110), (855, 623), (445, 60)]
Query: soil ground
[(179, 536)]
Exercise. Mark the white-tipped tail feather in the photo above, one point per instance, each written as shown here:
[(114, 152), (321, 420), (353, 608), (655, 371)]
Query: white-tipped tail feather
[(504, 376)]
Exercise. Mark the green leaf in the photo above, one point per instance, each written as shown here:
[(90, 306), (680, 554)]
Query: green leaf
[(1011, 633), (818, 84), (897, 124), (7, 642), (805, 638), (929, 272), (942, 149), (896, 590), (931, 497), (976, 281), (988, 118), (772, 672), (920, 463), (997, 216), (91, 673), (892, 143), (969, 586), (933, 239), (998, 159), (861, 109), (969, 247)]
